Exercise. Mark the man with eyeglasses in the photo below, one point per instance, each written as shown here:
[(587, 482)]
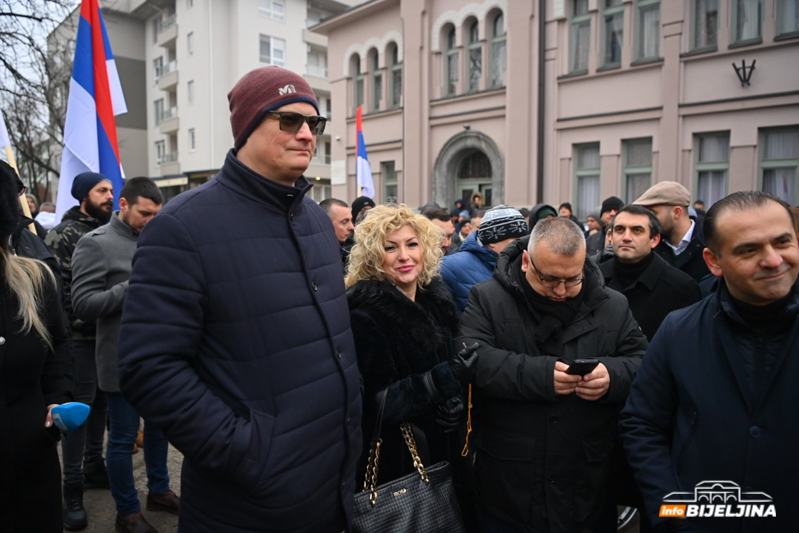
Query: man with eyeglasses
[(235, 335), (543, 436)]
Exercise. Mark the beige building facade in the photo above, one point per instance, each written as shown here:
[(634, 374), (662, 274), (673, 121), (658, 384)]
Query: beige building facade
[(533, 101)]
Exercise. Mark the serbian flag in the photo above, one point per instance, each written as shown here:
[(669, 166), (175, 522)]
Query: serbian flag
[(363, 172), (95, 97)]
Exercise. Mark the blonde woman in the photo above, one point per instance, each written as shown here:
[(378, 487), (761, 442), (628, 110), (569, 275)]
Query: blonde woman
[(34, 378), (404, 322)]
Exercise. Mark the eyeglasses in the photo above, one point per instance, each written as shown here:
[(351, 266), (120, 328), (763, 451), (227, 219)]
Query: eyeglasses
[(291, 122), (552, 283)]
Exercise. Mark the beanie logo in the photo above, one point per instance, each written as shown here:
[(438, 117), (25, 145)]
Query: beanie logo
[(288, 89)]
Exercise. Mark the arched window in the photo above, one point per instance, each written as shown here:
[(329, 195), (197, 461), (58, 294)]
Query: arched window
[(452, 61), (499, 39), (358, 85), (395, 87), (377, 80), (475, 57)]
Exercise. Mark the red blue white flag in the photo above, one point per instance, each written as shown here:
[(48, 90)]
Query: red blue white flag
[(95, 98), (363, 171)]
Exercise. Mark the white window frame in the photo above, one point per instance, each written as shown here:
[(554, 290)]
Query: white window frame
[(160, 151), (274, 9), (388, 175), (158, 67), (190, 43), (192, 140), (275, 45), (190, 91)]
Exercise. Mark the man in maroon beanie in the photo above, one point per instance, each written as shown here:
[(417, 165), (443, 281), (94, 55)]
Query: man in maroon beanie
[(235, 334)]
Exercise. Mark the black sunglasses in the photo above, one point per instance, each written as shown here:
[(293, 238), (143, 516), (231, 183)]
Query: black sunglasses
[(291, 122)]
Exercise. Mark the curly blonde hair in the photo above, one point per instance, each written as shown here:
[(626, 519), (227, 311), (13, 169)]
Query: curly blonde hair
[(366, 257)]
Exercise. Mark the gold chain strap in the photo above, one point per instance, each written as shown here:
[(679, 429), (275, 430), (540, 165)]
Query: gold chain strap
[(370, 482), (465, 452), (407, 432)]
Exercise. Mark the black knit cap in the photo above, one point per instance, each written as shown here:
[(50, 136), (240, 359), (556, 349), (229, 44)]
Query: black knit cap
[(10, 185), (611, 203), (261, 90), (359, 203)]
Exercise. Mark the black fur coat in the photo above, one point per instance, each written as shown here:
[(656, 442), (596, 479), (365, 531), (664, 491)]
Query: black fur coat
[(397, 340)]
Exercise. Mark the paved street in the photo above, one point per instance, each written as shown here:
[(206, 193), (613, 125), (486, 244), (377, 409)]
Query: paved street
[(100, 505)]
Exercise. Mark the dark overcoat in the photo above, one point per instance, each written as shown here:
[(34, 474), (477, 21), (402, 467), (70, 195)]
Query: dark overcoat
[(397, 341), (659, 290), (32, 376), (542, 460), (236, 342), (692, 415)]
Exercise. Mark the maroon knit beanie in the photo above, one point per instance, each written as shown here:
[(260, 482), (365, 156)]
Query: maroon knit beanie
[(261, 90)]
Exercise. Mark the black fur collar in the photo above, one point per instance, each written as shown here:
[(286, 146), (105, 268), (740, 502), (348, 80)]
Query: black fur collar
[(420, 320)]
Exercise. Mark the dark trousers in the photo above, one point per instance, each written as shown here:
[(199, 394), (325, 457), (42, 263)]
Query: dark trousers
[(86, 443), (491, 524)]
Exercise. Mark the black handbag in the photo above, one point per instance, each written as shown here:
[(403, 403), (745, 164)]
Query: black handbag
[(421, 502)]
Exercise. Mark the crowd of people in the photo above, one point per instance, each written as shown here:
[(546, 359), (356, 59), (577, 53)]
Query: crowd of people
[(561, 367)]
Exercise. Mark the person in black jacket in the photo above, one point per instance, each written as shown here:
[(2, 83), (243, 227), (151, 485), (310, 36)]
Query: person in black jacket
[(682, 238), (35, 377), (715, 400), (543, 437), (235, 336), (404, 323), (652, 287)]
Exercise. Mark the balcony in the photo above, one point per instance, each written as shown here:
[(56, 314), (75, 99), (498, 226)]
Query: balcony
[(314, 38), (168, 121), (167, 30), (169, 76), (313, 70), (169, 164)]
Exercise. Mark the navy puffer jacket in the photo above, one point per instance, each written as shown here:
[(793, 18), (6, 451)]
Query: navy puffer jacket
[(473, 264), (236, 342)]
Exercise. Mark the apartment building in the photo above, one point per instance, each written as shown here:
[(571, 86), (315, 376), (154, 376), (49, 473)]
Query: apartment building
[(192, 52), (566, 100)]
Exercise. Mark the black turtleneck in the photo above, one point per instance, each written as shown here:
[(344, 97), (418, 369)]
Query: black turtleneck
[(761, 317), (627, 273)]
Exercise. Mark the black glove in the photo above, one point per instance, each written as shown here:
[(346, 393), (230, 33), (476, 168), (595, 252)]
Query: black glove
[(449, 414), (464, 364)]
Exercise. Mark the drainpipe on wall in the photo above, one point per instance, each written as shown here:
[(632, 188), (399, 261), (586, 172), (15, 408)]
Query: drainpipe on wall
[(541, 94)]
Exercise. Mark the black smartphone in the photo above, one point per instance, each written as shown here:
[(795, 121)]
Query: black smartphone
[(581, 367)]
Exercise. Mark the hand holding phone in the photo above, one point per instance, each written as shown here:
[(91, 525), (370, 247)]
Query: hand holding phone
[(581, 367)]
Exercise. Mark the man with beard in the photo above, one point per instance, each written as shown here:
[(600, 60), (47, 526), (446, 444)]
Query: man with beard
[(85, 445), (682, 238)]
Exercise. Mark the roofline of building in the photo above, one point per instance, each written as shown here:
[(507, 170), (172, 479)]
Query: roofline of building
[(350, 14)]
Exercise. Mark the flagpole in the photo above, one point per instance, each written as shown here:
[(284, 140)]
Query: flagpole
[(23, 201)]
